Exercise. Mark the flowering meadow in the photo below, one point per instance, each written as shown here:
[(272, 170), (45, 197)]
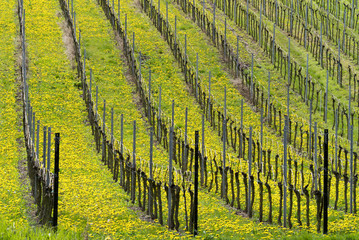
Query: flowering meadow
[(92, 204)]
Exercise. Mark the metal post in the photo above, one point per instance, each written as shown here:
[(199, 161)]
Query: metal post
[(196, 76), (151, 153), (38, 140), (285, 172), (326, 99), (203, 153), (44, 149), (261, 153), (251, 89), (149, 95), (288, 80), (167, 13), (121, 141), (170, 176), (224, 179), (112, 126), (268, 117), (241, 138), (173, 114), (349, 112), (306, 27), (273, 43), (195, 202), (321, 45), (209, 96), (306, 81), (291, 17), (260, 24), (351, 171), (249, 169), (56, 180), (325, 187), (310, 129), (247, 18), (96, 103), (133, 183), (48, 156), (184, 156), (315, 157), (336, 140), (214, 20), (345, 14)]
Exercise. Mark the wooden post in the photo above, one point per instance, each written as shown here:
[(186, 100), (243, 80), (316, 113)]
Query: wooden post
[(56, 180), (195, 213), (326, 193)]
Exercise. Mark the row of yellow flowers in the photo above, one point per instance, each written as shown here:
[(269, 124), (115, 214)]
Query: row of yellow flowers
[(12, 206), (89, 200)]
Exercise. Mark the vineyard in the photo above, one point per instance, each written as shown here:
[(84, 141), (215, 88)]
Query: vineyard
[(145, 119)]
